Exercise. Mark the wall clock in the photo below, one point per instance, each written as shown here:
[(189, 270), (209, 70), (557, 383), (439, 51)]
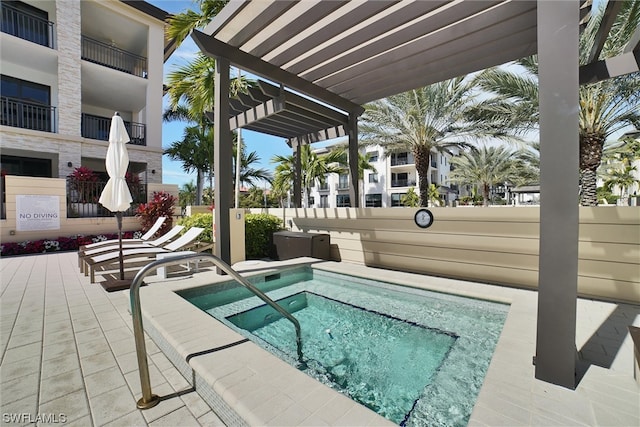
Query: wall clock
[(423, 218)]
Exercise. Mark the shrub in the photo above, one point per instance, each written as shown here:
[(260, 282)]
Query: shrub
[(258, 233), (202, 220), (161, 204)]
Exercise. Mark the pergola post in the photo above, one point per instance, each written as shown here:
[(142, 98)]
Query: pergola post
[(222, 161), (297, 176), (353, 160), (559, 214)]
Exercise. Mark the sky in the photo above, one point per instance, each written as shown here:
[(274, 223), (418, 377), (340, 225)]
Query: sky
[(172, 172)]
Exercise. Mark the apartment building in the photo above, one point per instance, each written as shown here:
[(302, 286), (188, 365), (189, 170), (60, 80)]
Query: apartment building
[(394, 175), (66, 67)]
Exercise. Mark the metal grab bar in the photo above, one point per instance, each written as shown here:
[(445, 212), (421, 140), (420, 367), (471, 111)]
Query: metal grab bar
[(149, 400)]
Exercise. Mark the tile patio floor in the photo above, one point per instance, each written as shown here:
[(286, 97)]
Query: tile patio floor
[(68, 354)]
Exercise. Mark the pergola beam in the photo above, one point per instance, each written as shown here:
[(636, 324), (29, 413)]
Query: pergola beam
[(212, 47), (610, 14)]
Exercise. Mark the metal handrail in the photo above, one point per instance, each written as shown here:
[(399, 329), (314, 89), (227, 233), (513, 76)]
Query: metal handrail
[(149, 399)]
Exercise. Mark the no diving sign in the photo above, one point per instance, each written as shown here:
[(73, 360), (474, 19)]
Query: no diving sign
[(37, 212)]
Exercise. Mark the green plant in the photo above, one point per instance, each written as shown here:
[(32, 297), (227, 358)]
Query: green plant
[(161, 204), (202, 220), (410, 198), (258, 234)]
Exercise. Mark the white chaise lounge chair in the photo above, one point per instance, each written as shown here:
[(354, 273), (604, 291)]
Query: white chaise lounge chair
[(187, 241), (145, 237), (129, 244)]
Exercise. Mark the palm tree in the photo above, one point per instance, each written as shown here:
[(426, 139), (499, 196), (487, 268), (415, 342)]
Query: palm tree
[(424, 121), (489, 166), (411, 198), (605, 107), (248, 174), (182, 24), (618, 169), (313, 167), (187, 194), (195, 151), (191, 86), (623, 177)]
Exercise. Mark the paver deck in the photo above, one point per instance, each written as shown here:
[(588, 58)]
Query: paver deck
[(68, 355)]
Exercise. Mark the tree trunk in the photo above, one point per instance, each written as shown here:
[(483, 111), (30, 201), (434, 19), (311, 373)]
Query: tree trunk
[(422, 155), (590, 157), (199, 187), (485, 195)]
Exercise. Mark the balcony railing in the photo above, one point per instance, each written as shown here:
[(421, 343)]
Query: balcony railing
[(82, 199), (96, 127), (27, 115), (323, 187), (26, 26), (402, 183), (342, 186), (400, 162), (113, 57)]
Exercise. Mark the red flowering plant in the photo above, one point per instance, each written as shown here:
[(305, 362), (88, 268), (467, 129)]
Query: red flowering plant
[(161, 204), (83, 185)]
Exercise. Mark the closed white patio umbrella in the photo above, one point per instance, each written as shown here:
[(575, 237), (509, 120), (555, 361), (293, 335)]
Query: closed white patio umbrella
[(116, 195)]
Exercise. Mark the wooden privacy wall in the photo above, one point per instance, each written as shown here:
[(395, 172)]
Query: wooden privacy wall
[(496, 245)]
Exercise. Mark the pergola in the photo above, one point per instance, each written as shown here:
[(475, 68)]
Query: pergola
[(343, 54)]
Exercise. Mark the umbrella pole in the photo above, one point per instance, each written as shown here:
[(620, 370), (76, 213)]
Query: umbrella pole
[(119, 219)]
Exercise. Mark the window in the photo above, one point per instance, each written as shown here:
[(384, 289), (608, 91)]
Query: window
[(324, 186), (395, 199), (25, 104), (373, 177), (399, 179), (24, 90), (343, 201), (311, 201), (343, 182), (26, 22), (399, 159), (373, 156), (373, 200), (26, 166), (324, 201)]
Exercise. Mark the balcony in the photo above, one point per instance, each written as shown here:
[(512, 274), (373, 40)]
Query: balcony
[(401, 161), (27, 115), (95, 127), (26, 26), (342, 186), (323, 187), (403, 183), (113, 57)]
